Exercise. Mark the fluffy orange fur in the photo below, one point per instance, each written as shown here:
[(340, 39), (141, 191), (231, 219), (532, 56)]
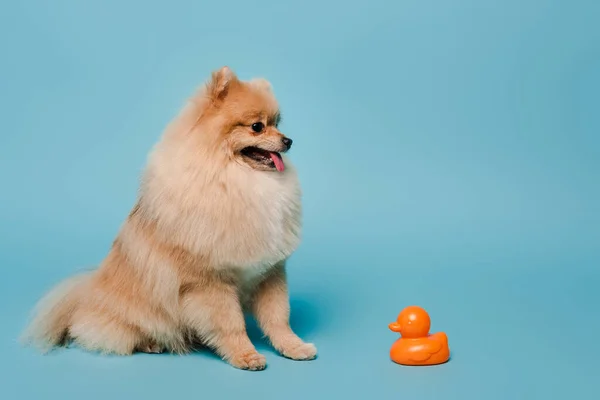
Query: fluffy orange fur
[(207, 240)]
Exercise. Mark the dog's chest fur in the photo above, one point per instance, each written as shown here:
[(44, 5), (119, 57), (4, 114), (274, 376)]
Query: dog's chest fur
[(263, 224), (246, 220)]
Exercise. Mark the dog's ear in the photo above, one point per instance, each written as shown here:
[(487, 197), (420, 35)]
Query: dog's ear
[(220, 83), (262, 84)]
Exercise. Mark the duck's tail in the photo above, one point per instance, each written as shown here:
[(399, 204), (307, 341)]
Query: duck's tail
[(53, 313)]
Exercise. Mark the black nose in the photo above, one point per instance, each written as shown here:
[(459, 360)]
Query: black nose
[(287, 142)]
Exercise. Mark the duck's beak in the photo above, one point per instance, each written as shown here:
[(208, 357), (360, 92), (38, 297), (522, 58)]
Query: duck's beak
[(395, 327)]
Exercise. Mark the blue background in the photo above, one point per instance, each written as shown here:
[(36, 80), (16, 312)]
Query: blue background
[(449, 153)]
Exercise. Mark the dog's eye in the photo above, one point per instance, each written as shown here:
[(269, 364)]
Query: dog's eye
[(258, 127)]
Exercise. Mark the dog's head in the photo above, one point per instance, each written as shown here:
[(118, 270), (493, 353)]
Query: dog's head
[(244, 117)]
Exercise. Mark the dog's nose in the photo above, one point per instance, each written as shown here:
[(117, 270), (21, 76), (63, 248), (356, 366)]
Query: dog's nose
[(287, 142)]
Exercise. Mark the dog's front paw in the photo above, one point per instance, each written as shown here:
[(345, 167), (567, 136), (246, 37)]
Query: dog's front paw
[(301, 352), (252, 361)]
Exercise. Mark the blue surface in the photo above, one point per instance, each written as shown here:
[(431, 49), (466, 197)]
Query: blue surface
[(449, 154)]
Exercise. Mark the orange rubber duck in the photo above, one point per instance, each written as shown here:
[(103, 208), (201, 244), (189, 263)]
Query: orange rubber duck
[(417, 346)]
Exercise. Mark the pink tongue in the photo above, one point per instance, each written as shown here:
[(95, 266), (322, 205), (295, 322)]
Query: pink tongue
[(278, 161)]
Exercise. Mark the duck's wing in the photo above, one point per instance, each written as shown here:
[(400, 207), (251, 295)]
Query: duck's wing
[(426, 350)]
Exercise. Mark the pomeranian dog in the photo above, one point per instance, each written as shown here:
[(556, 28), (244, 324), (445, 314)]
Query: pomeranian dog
[(217, 216)]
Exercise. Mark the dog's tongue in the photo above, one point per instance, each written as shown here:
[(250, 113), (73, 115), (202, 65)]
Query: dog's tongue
[(278, 161)]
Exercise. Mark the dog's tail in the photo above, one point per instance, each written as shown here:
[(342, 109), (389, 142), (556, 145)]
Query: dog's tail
[(53, 313)]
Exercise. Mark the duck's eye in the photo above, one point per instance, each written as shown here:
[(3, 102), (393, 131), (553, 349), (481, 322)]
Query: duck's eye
[(258, 127)]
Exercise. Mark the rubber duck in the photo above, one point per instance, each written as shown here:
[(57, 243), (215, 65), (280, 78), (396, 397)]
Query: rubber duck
[(417, 346)]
